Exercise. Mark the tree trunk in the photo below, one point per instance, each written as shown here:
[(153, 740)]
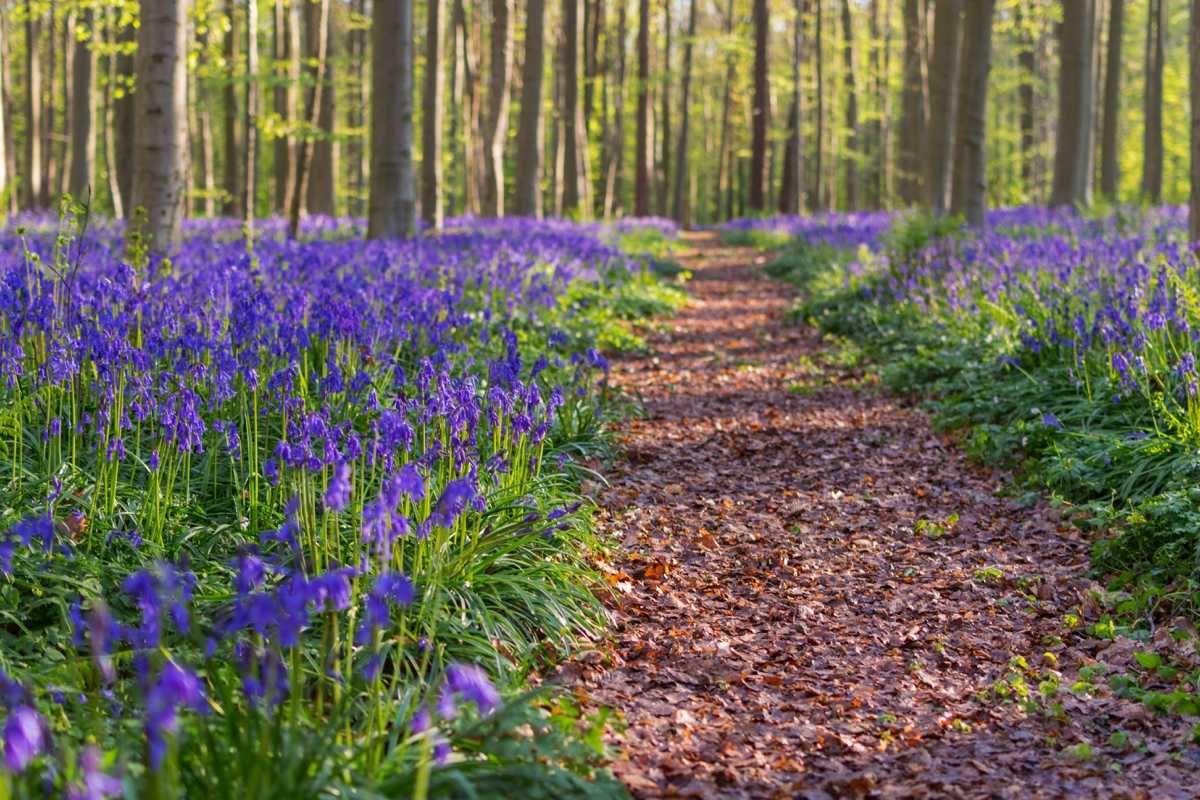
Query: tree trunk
[(527, 195), (359, 170), (913, 106), (1027, 64), (593, 30), (83, 111), (49, 126), (851, 108), (498, 102), (1194, 73), (943, 97), (760, 109), (110, 151), (34, 198), (791, 199), (641, 179), (321, 196), (664, 126), (63, 141), (725, 177), (251, 125), (160, 163), (573, 123), (123, 120), (300, 185), (614, 187), (1074, 85), (817, 199), (232, 182), (392, 208), (1152, 146), (282, 102), (432, 111), (970, 169), (679, 207), (9, 161), (1112, 100)]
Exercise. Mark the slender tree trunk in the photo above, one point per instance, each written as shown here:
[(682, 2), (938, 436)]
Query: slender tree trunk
[(970, 170), (393, 209), (888, 161), (943, 102), (1027, 64), (573, 122), (123, 119), (283, 145), (83, 111), (1152, 145), (1112, 100), (641, 181), (725, 177), (232, 181), (913, 110), (110, 157), (1194, 77), (359, 169), (433, 110), (34, 198), (614, 187), (251, 125), (594, 30), (760, 109), (49, 124), (851, 108), (1074, 84), (498, 102), (321, 196), (679, 211), (817, 199), (160, 165), (63, 141), (301, 183), (792, 194), (9, 161), (664, 181), (527, 197)]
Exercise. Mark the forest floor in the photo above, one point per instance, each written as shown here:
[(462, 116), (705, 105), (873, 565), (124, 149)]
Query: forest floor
[(799, 616)]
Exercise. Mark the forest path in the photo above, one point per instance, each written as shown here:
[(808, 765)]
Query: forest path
[(783, 631)]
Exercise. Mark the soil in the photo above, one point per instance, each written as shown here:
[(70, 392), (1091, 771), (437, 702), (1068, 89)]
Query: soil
[(816, 595)]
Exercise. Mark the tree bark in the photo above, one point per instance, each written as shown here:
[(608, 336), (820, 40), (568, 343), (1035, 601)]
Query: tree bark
[(160, 161), (816, 187), (679, 208), (1112, 100), (282, 103), (49, 126), (641, 179), (123, 118), (433, 110), (392, 208), (943, 102), (791, 195), (725, 177), (498, 103), (9, 160), (250, 169), (110, 158), (851, 108), (970, 183), (232, 158), (614, 186), (593, 30), (1152, 145), (913, 106), (527, 195), (1194, 73), (760, 109), (573, 122), (1027, 64), (321, 196), (300, 184), (664, 125), (1074, 85), (34, 197), (83, 111)]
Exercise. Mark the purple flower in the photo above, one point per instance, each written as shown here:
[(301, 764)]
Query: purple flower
[(24, 738), (95, 785), (410, 482), (175, 687), (453, 501), (473, 683), (337, 495)]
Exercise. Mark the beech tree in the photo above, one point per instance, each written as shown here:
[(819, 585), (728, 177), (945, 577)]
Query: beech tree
[(1074, 121), (1152, 140), (1112, 100), (970, 167), (943, 97), (498, 102), (392, 206), (641, 177), (527, 195), (760, 109), (431, 116), (83, 109), (679, 207)]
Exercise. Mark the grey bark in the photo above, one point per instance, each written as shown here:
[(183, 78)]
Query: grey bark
[(760, 109), (250, 167), (851, 108), (1074, 121), (679, 208), (1112, 100), (1152, 143), (527, 195), (641, 178), (725, 177), (83, 111), (160, 146), (300, 184), (433, 108), (943, 102), (498, 103), (321, 195), (970, 182), (573, 130), (913, 106), (392, 207), (34, 196), (232, 163)]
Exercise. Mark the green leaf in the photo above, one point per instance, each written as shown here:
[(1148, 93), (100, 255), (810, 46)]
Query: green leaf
[(1148, 660)]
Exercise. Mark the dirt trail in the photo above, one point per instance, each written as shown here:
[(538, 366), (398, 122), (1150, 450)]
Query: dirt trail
[(784, 632)]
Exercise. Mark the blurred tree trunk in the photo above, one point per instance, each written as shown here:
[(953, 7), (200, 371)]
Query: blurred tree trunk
[(664, 126), (498, 103), (321, 196), (1074, 85), (641, 180), (914, 105), (49, 125), (527, 195), (816, 187), (83, 110), (1027, 63), (34, 198), (1194, 77), (251, 124), (851, 108), (679, 208), (1152, 144), (123, 118), (725, 177), (108, 129), (392, 206), (160, 160), (357, 113), (9, 161), (760, 109), (1112, 101), (943, 102), (432, 112), (232, 181), (970, 168), (283, 102), (573, 129), (300, 183), (791, 194), (593, 26), (614, 184)]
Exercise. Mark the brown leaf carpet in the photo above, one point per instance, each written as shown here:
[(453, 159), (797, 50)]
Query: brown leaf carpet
[(782, 631)]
